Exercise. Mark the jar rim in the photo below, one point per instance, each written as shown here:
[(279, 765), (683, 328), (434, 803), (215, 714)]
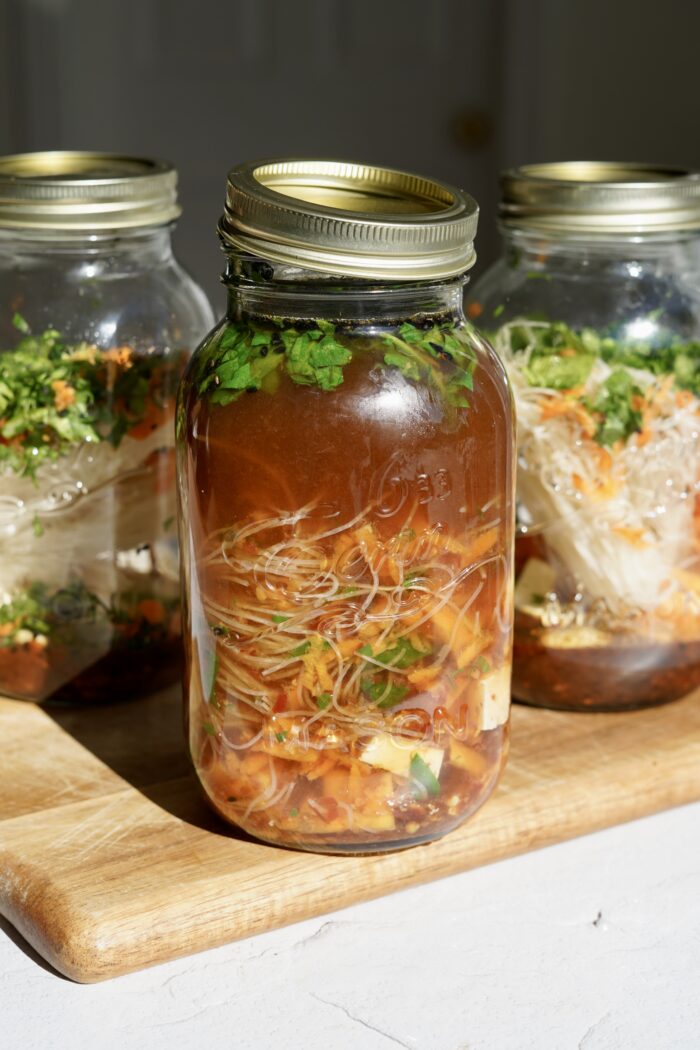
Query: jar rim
[(349, 219), (77, 191), (600, 197)]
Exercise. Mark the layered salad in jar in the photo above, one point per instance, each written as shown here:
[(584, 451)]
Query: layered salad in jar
[(88, 553), (607, 594)]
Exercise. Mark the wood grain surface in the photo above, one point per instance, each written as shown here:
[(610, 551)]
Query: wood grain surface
[(110, 861)]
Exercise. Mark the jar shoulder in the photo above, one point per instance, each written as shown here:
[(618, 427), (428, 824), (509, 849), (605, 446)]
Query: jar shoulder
[(140, 306), (610, 294)]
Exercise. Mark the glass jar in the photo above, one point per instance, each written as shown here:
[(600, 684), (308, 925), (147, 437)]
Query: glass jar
[(346, 472), (97, 319), (595, 311)]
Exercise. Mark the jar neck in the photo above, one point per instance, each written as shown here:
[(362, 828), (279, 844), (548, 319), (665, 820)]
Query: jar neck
[(149, 246), (259, 288)]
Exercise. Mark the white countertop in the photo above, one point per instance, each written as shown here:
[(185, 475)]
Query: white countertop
[(592, 944)]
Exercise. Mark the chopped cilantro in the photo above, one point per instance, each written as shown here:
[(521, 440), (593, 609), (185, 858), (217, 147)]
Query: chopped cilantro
[(278, 618), (323, 701), (281, 737), (483, 664), (54, 396), (561, 358), (209, 728), (383, 693), (614, 402), (301, 649), (434, 355), (37, 527), (58, 614), (249, 353), (294, 812), (401, 655)]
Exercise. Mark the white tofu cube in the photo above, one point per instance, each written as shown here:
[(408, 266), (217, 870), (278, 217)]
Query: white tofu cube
[(493, 699), (395, 753), (534, 582)]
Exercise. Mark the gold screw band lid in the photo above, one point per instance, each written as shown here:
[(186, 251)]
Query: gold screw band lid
[(78, 192), (600, 197), (352, 219)]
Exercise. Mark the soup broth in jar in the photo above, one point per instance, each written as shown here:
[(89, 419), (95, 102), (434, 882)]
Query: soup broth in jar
[(345, 456)]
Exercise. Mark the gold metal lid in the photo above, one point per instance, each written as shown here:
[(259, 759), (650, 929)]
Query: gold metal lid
[(352, 219), (76, 192), (601, 197)]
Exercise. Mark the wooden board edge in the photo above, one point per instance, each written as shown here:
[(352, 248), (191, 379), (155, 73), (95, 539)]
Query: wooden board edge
[(77, 947)]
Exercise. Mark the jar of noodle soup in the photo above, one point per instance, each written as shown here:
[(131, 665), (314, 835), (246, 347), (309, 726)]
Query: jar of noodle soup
[(97, 319), (595, 311), (345, 457)]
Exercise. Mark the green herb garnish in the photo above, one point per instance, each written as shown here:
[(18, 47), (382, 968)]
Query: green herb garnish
[(614, 403), (209, 728), (401, 655), (423, 780), (560, 359), (323, 701), (249, 355), (60, 613), (383, 693), (54, 396), (301, 650), (434, 355)]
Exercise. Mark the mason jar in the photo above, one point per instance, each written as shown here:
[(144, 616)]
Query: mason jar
[(345, 458), (97, 319), (594, 309)]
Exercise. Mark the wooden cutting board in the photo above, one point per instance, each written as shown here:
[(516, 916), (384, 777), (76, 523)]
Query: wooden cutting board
[(109, 860)]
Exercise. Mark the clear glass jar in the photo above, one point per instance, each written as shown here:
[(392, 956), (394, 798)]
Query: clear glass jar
[(595, 310), (346, 481), (97, 319)]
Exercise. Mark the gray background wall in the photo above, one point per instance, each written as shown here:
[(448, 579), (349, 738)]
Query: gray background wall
[(458, 88)]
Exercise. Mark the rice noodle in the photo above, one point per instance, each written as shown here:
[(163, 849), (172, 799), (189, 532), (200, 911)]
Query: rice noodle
[(90, 503)]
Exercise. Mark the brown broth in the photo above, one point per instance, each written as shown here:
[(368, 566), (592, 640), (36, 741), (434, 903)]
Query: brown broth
[(406, 485), (626, 674)]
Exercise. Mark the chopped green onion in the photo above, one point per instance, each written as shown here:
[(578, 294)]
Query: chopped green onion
[(422, 777)]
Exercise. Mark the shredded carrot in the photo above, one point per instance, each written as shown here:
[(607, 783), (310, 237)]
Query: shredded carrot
[(552, 406), (634, 536), (598, 489), (63, 394), (119, 355)]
